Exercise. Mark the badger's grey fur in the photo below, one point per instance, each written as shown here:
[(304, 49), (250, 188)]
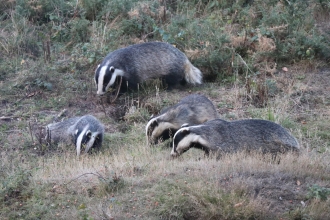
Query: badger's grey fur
[(193, 109), (85, 131), (222, 136), (140, 62)]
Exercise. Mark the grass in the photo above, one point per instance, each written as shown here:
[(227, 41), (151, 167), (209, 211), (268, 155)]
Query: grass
[(138, 182), (265, 60)]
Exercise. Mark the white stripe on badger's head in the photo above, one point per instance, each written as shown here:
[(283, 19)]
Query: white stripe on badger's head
[(105, 76), (80, 138), (184, 139), (150, 127), (157, 129)]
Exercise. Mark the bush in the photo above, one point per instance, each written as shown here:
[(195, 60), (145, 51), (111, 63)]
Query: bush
[(15, 187), (318, 192)]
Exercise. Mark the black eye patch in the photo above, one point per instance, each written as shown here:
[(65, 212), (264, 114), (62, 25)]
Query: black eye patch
[(166, 134), (96, 77), (97, 142), (180, 136), (85, 139)]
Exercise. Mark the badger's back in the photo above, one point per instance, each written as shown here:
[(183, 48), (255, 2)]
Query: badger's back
[(265, 133), (251, 134), (193, 109), (148, 60), (60, 131)]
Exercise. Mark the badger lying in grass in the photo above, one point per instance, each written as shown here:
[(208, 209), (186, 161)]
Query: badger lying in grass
[(85, 132), (221, 136), (193, 110)]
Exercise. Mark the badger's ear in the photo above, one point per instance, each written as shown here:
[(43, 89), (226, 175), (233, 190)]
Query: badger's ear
[(88, 133), (185, 125), (154, 124), (76, 132), (185, 131), (98, 66), (111, 69)]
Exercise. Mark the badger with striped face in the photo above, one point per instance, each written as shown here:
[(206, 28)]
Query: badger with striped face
[(193, 110), (140, 62), (105, 77), (88, 133), (221, 136), (184, 139), (85, 132)]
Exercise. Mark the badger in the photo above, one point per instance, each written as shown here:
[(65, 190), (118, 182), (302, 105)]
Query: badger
[(221, 136), (193, 109), (140, 62), (85, 131)]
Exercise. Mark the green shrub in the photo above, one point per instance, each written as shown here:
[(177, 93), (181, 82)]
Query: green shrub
[(41, 11), (91, 9), (79, 31), (318, 192), (15, 187), (292, 27), (111, 9)]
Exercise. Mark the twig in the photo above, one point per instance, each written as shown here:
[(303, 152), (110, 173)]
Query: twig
[(105, 112), (98, 175), (138, 95), (3, 46), (147, 35), (104, 206), (62, 113), (31, 131), (10, 131), (6, 118), (20, 99), (121, 79), (242, 60)]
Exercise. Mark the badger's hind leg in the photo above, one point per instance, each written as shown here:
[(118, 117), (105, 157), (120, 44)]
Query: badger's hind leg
[(172, 81)]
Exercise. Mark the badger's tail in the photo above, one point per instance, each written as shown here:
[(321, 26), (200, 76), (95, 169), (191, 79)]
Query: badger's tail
[(192, 74)]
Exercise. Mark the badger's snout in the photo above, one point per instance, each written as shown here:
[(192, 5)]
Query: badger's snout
[(101, 90), (174, 153), (151, 141), (100, 93)]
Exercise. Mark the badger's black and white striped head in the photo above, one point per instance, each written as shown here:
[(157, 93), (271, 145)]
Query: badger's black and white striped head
[(185, 138), (105, 76), (157, 130), (87, 139)]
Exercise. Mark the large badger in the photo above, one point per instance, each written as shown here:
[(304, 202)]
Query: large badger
[(85, 131), (221, 136), (140, 62), (193, 109)]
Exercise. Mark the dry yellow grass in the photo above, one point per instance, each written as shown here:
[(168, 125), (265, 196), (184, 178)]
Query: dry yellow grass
[(148, 175)]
